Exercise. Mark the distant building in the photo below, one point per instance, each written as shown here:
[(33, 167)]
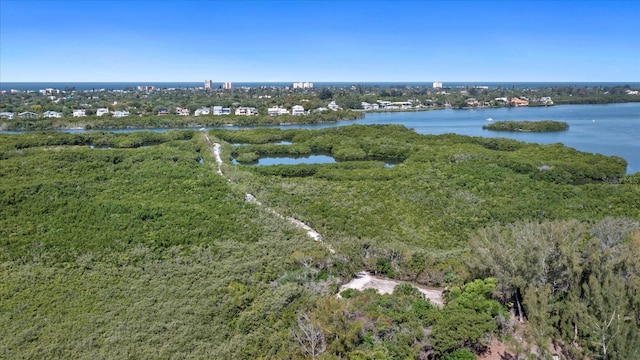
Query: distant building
[(246, 111), (202, 111), (303, 85), (297, 110), (49, 91), (52, 114), (333, 106), (384, 104), (102, 111), (28, 115), (79, 113), (219, 110), (208, 84), (277, 110), (226, 85), (472, 102), (519, 102), (367, 106), (163, 111), (546, 100), (120, 114), (403, 104), (437, 85), (145, 88), (5, 115), (182, 111)]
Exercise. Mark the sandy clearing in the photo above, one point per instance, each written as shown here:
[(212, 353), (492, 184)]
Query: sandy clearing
[(385, 286)]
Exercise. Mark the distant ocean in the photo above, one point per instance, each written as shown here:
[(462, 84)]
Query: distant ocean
[(35, 86)]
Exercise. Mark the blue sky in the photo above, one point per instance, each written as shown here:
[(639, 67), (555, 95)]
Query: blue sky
[(256, 41)]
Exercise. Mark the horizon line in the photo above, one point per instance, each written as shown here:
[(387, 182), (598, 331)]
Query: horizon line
[(333, 81)]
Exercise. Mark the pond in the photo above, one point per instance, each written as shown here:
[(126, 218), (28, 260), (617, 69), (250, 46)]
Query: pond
[(312, 159), (273, 143)]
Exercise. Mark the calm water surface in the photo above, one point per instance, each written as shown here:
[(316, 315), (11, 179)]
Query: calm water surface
[(311, 159), (612, 129)]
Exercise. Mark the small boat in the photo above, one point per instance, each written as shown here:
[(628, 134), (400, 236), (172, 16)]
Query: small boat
[(489, 119)]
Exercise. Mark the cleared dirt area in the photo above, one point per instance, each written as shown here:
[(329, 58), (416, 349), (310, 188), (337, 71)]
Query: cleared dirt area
[(385, 286)]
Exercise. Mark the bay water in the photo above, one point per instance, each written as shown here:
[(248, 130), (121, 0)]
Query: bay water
[(612, 129)]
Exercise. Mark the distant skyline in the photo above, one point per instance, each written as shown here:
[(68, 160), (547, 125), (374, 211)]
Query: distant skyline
[(328, 41)]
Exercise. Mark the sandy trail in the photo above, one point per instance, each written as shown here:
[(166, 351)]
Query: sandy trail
[(365, 280), (385, 286), (299, 224), (215, 149), (216, 152)]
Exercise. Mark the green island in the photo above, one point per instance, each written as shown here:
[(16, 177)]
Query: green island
[(154, 245), (528, 126)]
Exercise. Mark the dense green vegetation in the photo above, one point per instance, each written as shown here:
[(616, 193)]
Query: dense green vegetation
[(175, 121), (533, 126), (131, 246)]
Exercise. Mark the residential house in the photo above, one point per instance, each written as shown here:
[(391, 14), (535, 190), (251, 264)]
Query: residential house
[(120, 114), (52, 114), (367, 106), (28, 115), (519, 102), (79, 113), (246, 111), (403, 104), (163, 111), (219, 110), (182, 111), (277, 110), (202, 111), (546, 100), (5, 115), (102, 111), (297, 110), (384, 104), (472, 102), (333, 106)]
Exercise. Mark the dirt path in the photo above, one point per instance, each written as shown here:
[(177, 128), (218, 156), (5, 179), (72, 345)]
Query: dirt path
[(385, 286), (365, 280), (215, 149)]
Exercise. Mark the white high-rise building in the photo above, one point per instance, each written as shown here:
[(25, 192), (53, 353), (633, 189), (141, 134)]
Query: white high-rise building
[(303, 85), (437, 85), (208, 84)]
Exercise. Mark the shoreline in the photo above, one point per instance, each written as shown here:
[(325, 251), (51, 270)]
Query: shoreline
[(195, 126)]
